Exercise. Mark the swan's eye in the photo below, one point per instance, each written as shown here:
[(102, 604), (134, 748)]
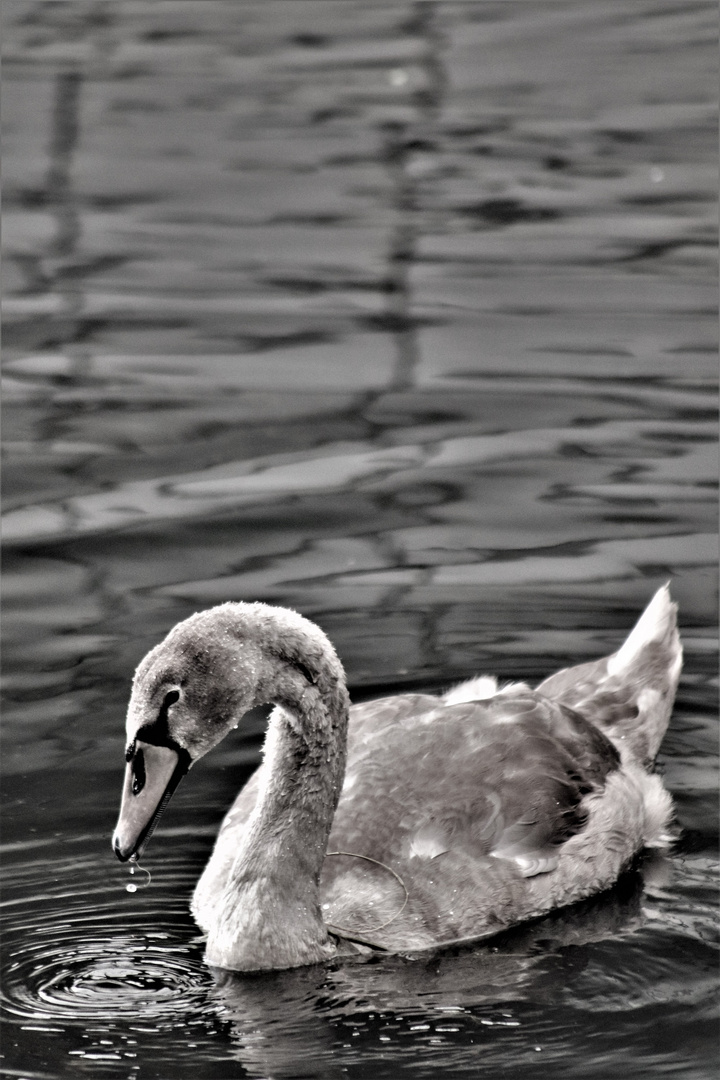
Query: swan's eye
[(170, 698)]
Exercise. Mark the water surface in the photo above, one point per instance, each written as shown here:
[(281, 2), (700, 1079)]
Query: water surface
[(404, 316)]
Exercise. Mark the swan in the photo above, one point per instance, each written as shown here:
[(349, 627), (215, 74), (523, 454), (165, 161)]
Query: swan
[(406, 823)]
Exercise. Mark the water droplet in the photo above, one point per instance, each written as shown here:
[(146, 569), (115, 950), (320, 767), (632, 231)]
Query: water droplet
[(398, 77), (134, 888)]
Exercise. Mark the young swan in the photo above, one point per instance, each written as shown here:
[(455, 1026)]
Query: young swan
[(405, 823)]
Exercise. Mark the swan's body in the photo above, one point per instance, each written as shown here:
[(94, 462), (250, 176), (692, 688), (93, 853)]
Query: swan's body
[(471, 812)]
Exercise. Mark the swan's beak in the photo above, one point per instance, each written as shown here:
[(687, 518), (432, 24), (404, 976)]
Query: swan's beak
[(151, 776)]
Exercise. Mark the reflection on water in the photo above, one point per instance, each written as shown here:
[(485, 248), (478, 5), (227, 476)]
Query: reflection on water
[(402, 315)]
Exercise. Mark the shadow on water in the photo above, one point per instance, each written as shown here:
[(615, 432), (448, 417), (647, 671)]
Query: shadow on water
[(403, 315)]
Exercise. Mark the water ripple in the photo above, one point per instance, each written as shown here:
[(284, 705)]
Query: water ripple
[(78, 949)]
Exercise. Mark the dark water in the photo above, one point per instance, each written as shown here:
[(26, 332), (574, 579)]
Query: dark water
[(402, 315)]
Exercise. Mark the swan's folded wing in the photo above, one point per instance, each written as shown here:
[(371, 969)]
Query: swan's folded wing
[(468, 786), (464, 803)]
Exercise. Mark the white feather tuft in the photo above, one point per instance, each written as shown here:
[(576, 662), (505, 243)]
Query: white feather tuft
[(481, 688), (655, 623), (658, 809), (477, 689)]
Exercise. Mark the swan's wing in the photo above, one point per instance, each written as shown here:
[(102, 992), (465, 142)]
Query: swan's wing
[(465, 803), (370, 719), (503, 778), (575, 684), (611, 703)]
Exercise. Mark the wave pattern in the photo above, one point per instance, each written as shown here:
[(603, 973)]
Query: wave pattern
[(404, 315), (110, 973)]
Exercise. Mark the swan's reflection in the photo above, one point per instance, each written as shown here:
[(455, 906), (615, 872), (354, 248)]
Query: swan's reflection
[(280, 1026)]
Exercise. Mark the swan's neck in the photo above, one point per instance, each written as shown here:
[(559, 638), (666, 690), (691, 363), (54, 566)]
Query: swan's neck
[(270, 914)]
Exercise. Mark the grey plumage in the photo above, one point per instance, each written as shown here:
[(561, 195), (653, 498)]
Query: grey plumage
[(491, 806)]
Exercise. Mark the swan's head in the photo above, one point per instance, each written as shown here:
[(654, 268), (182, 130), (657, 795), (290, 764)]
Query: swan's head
[(187, 693)]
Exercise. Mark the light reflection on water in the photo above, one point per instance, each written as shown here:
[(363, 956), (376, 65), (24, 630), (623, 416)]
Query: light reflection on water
[(406, 320)]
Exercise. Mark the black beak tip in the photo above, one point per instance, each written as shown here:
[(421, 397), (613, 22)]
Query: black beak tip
[(122, 855)]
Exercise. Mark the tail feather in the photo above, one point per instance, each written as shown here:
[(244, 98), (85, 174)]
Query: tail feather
[(630, 694), (657, 625)]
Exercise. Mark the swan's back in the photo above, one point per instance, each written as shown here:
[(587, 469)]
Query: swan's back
[(498, 776)]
